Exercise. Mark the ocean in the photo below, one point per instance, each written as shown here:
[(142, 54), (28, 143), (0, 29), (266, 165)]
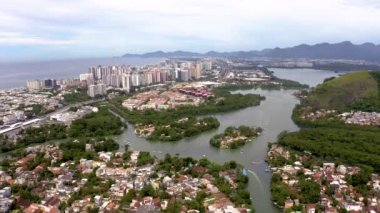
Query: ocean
[(14, 75)]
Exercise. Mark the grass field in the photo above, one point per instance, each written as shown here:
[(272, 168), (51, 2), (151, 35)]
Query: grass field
[(344, 90)]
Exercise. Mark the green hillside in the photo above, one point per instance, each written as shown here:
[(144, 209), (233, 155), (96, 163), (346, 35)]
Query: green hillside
[(329, 138), (358, 90)]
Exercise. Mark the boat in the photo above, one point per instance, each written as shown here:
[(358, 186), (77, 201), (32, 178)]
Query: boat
[(257, 162), (245, 173)]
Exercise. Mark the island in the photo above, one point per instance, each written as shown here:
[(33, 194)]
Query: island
[(234, 137), (176, 130), (169, 114)]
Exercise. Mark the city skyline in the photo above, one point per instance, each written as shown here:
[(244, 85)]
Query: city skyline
[(45, 30)]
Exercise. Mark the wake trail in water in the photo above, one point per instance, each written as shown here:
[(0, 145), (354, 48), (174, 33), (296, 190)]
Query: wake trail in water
[(257, 178)]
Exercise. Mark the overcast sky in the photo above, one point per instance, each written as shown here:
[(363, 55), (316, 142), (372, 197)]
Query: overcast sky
[(42, 29)]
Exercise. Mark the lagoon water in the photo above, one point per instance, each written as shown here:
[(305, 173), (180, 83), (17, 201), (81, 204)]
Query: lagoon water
[(273, 115), (311, 77)]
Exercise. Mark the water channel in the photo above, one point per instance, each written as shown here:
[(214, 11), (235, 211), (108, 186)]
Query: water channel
[(273, 115)]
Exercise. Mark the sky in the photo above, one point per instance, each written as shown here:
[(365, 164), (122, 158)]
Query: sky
[(60, 29)]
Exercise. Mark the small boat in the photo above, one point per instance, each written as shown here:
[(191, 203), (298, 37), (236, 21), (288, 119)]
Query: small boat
[(256, 162)]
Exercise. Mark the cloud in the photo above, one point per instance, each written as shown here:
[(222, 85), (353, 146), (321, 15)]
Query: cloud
[(96, 27), (11, 38)]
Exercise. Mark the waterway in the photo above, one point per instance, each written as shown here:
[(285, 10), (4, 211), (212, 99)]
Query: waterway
[(311, 77), (273, 115)]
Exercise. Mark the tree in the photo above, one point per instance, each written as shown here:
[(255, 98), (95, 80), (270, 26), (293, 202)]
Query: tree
[(144, 158), (147, 190), (127, 199), (174, 206), (310, 191)]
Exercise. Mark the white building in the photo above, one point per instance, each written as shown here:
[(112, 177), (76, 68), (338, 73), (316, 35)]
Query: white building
[(126, 82), (88, 77), (98, 89), (9, 119), (34, 85)]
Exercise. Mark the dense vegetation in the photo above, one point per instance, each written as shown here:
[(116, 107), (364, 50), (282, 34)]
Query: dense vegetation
[(242, 134), (370, 104), (24, 192), (355, 147), (97, 124), (238, 195), (75, 96), (224, 102), (279, 84), (353, 91), (329, 138), (309, 190), (102, 123), (76, 149), (175, 130), (34, 136), (286, 84), (144, 158)]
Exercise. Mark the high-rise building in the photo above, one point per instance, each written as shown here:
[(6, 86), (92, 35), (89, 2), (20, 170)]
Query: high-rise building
[(163, 76), (135, 78), (183, 75), (207, 65), (97, 89), (148, 77), (87, 77), (49, 83), (34, 85), (198, 70), (126, 81)]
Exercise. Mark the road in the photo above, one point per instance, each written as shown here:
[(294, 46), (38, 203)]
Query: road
[(46, 116), (119, 116)]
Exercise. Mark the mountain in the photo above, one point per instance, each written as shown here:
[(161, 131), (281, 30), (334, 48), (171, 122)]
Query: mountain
[(161, 54), (343, 50)]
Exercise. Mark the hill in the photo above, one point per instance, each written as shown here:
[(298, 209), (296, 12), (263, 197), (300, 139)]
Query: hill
[(343, 50), (346, 92), (325, 135)]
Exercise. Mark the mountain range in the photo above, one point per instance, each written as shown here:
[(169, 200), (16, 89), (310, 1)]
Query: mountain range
[(343, 50)]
